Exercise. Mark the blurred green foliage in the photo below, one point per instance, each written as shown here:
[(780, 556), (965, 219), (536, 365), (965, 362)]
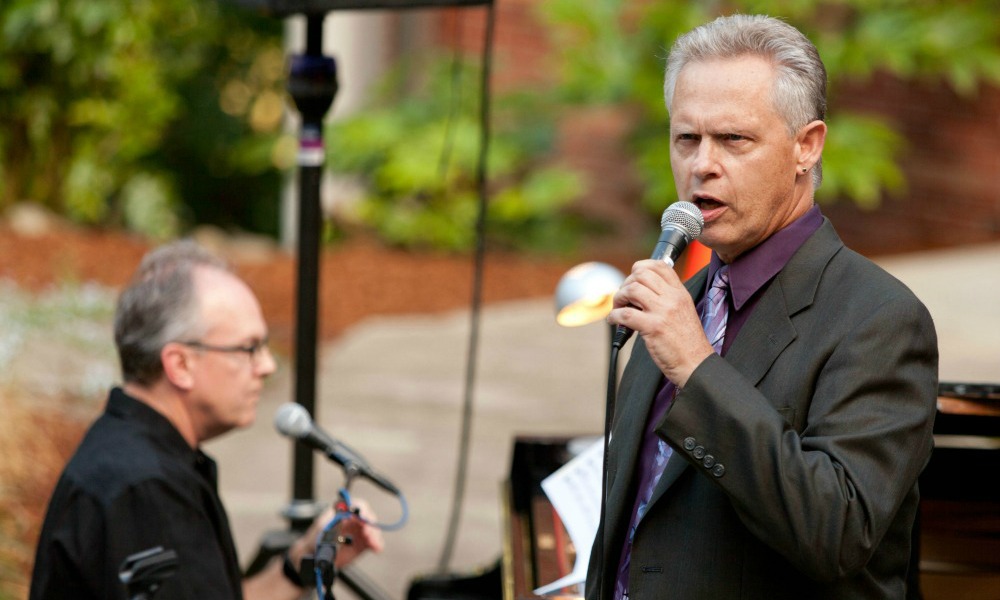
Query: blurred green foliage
[(158, 114), (931, 41), (110, 110), (416, 151)]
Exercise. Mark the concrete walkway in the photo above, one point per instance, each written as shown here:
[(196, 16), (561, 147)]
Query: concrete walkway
[(392, 388)]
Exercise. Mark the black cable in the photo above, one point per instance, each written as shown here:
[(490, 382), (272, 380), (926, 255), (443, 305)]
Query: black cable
[(477, 293), (609, 415)]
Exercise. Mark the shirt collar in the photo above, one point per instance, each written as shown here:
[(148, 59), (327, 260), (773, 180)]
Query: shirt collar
[(157, 427), (755, 267)]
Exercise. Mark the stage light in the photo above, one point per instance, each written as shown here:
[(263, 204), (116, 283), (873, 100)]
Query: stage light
[(584, 293)]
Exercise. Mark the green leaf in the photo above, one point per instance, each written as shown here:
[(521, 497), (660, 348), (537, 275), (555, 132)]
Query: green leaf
[(857, 141)]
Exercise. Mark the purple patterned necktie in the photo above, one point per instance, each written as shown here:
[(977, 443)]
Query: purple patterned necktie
[(716, 311), (715, 314)]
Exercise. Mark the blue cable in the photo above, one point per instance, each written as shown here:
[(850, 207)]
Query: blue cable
[(340, 515)]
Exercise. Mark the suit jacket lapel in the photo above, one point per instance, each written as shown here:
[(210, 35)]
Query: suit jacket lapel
[(764, 336), (769, 330)]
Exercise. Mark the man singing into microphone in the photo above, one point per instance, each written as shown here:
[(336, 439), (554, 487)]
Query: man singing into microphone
[(777, 410), (193, 348)]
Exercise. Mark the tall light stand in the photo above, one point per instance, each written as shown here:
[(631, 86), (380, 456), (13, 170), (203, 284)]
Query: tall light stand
[(312, 84)]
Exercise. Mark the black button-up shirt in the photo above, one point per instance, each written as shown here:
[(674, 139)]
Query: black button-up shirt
[(133, 484)]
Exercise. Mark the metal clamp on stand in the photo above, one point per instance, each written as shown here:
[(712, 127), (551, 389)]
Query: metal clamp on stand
[(321, 567)]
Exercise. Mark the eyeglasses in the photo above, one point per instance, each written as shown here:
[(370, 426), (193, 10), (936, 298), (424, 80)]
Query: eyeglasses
[(254, 349)]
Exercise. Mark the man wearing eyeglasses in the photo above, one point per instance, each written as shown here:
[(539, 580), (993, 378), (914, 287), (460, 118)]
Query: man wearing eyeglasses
[(192, 342)]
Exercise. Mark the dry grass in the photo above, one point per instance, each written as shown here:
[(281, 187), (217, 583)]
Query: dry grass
[(35, 443)]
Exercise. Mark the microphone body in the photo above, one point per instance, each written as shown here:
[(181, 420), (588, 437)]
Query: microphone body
[(681, 223), (292, 420), (672, 242)]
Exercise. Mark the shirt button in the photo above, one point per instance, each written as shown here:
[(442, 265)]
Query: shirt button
[(699, 452), (689, 444), (708, 461), (719, 470)]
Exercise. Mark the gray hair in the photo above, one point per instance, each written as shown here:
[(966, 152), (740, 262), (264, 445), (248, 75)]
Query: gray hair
[(799, 93), (159, 306)]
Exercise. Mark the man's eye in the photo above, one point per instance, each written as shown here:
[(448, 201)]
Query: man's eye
[(734, 137)]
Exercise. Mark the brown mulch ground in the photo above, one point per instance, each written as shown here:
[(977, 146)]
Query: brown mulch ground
[(358, 279), (28, 471)]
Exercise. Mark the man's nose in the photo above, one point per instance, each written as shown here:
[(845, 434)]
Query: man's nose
[(706, 159)]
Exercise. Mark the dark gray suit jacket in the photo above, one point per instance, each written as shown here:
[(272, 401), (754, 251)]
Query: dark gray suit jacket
[(796, 456)]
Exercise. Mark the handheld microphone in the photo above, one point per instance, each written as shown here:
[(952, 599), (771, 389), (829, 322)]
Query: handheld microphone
[(293, 420), (681, 222)]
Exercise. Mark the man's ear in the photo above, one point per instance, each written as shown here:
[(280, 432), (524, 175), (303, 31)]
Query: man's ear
[(177, 365), (809, 143)]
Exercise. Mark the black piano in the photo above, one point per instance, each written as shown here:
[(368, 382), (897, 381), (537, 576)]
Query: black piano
[(959, 522)]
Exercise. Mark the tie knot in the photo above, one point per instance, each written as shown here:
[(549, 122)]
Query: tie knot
[(721, 279)]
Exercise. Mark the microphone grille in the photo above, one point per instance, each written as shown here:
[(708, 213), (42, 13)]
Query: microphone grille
[(292, 420), (684, 216)]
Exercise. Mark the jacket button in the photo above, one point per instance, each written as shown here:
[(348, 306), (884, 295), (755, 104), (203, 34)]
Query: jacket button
[(708, 461), (689, 444), (699, 452), (719, 470)]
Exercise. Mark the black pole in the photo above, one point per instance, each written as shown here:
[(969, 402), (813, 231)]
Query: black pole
[(313, 85)]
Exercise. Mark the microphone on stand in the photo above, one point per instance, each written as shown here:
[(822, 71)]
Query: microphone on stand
[(293, 420), (681, 223)]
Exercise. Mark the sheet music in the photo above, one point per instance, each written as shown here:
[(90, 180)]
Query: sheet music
[(575, 493)]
